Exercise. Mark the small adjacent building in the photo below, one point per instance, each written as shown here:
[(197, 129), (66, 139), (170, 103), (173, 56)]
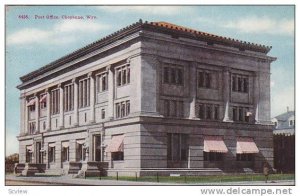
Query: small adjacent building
[(151, 97), (284, 142)]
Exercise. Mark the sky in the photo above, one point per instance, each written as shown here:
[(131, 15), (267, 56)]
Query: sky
[(38, 40)]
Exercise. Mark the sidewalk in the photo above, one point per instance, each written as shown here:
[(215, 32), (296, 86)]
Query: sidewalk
[(66, 180)]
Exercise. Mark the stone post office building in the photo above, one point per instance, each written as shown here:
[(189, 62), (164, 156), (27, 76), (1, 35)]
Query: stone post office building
[(152, 96)]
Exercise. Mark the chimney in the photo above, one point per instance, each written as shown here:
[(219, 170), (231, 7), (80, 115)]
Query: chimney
[(287, 108)]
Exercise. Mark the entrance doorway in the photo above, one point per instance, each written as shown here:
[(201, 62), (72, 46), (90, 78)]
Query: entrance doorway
[(97, 152)]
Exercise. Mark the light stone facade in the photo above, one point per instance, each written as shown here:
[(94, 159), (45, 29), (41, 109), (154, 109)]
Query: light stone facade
[(147, 48)]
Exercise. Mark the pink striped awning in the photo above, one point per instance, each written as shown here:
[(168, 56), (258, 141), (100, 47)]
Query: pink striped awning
[(116, 144), (214, 144), (246, 145), (44, 98), (31, 102)]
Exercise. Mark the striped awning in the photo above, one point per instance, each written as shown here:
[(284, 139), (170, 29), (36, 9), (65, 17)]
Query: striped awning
[(246, 145), (44, 98), (31, 102), (214, 144), (116, 144)]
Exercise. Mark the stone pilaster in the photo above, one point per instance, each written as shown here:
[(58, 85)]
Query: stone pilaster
[(92, 97), (61, 106), (37, 115), (226, 94), (48, 124), (111, 94), (75, 82), (23, 106), (193, 90)]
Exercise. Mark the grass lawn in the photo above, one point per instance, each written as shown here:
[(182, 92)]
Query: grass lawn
[(202, 179)]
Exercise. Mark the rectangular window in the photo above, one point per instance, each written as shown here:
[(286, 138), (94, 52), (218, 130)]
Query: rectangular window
[(166, 75), (101, 82), (84, 93), (103, 114), (216, 112), (179, 76), (173, 108), (80, 151), (28, 154), (55, 101), (201, 79), (123, 75), (233, 83), (207, 80), (177, 147), (245, 157), (117, 156), (240, 83), (201, 111), (213, 156), (119, 76), (127, 108), (208, 112), (68, 97), (118, 110), (32, 127), (180, 109), (122, 109), (65, 154), (246, 84), (43, 103), (241, 114), (97, 148), (51, 154), (173, 75), (234, 114), (166, 107)]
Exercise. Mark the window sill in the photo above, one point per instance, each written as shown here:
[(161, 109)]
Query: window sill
[(123, 85)]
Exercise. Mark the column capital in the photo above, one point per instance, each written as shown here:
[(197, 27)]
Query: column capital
[(59, 85), (226, 69), (74, 80), (47, 90), (109, 67), (90, 74)]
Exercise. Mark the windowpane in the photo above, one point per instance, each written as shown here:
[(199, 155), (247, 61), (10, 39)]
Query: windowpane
[(179, 76), (166, 75), (216, 112), (207, 80), (233, 83), (234, 114), (201, 79), (123, 76), (119, 77), (241, 114), (246, 81), (173, 75), (201, 111)]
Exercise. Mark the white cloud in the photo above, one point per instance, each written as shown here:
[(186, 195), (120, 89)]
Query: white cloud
[(155, 10), (12, 145), (61, 33), (267, 25), (280, 101)]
